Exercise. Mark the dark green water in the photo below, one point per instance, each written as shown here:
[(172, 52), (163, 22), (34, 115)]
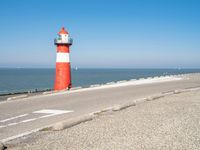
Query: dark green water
[(18, 80)]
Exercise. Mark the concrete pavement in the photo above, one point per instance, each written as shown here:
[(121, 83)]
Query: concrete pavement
[(24, 116), (168, 123)]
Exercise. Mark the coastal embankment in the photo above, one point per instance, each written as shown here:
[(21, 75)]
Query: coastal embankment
[(24, 121), (24, 81), (171, 122), (148, 80)]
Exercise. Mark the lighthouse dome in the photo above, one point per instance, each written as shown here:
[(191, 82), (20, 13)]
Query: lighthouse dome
[(63, 31)]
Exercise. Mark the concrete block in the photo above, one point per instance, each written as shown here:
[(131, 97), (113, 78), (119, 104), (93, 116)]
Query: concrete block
[(140, 101), (109, 83), (179, 91), (49, 92), (194, 89), (76, 88), (95, 85), (124, 106), (16, 97), (116, 108), (103, 111), (150, 98), (72, 122), (52, 92), (123, 81)]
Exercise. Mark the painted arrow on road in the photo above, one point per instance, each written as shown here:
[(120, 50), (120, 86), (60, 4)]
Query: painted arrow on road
[(47, 112)]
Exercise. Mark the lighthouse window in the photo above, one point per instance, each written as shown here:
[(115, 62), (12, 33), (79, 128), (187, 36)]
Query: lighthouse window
[(59, 37)]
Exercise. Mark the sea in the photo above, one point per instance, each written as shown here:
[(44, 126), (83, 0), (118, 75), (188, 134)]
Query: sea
[(18, 80)]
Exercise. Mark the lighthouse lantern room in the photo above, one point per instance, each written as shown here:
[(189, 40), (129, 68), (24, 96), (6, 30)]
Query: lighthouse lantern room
[(63, 38)]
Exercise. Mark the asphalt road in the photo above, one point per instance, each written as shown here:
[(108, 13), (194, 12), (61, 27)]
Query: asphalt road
[(20, 117), (167, 123)]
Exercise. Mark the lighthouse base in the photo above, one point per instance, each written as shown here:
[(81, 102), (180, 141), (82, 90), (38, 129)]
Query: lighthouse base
[(63, 76)]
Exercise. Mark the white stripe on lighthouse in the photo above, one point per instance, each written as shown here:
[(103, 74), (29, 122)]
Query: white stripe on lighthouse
[(62, 57)]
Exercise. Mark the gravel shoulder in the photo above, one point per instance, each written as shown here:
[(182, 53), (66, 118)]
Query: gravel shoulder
[(172, 122)]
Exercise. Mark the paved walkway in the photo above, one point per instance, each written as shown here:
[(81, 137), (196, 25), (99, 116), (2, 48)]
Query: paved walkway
[(172, 122), (24, 116)]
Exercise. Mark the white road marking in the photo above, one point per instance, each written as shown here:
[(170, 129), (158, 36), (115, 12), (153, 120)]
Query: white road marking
[(28, 120), (2, 127), (46, 116), (52, 111), (12, 118), (12, 124), (49, 112)]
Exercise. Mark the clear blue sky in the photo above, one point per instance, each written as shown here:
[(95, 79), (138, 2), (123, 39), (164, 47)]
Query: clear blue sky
[(106, 33)]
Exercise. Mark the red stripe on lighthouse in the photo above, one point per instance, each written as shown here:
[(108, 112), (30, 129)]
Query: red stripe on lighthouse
[(63, 48), (63, 76)]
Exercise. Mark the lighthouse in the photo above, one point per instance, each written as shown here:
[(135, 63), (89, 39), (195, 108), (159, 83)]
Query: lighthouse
[(63, 69)]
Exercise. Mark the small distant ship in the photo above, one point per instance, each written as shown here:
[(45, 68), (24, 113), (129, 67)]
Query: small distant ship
[(76, 68)]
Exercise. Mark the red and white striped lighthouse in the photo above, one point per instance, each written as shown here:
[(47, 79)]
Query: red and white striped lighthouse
[(63, 69)]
